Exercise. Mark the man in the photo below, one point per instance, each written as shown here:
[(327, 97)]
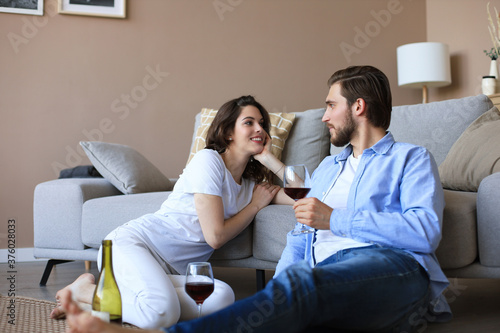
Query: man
[(377, 211)]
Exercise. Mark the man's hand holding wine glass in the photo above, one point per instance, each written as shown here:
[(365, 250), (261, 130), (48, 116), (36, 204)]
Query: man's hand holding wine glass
[(313, 213)]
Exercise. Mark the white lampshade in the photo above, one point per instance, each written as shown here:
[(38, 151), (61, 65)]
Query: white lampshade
[(422, 65)]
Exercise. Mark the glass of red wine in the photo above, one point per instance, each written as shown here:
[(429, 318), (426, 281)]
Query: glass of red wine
[(296, 186), (199, 282)]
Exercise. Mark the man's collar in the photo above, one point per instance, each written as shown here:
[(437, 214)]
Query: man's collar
[(381, 147)]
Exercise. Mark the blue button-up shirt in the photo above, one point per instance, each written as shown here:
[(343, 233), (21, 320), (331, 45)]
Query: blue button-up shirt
[(396, 200)]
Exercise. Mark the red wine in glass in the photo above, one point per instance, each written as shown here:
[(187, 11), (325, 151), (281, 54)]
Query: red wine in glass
[(296, 185), (199, 291), (199, 282), (296, 193)]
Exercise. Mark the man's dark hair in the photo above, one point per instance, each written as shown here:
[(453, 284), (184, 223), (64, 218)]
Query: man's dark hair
[(370, 84)]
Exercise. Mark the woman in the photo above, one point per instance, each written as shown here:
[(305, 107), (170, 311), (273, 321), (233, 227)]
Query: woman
[(216, 197)]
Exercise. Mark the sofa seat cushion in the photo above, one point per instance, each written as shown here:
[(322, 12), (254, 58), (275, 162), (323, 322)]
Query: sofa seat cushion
[(458, 247), (101, 216), (271, 226), (117, 210), (488, 222)]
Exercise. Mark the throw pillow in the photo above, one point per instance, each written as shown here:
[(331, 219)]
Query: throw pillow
[(281, 123), (309, 140), (474, 155), (125, 168)]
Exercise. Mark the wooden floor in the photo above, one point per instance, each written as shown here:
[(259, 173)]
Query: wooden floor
[(475, 302)]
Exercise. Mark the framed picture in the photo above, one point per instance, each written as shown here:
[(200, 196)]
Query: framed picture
[(33, 7), (106, 8)]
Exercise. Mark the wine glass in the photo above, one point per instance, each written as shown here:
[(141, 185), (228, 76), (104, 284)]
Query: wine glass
[(199, 282), (296, 186)]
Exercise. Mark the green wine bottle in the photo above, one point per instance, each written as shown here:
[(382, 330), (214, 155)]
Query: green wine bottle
[(107, 301)]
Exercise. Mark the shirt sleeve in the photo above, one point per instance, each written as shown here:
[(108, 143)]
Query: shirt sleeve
[(295, 250), (205, 173)]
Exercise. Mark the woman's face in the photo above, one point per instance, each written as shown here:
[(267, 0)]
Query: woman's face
[(248, 134)]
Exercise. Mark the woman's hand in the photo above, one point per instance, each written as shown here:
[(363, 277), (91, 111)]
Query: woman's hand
[(263, 194), (267, 159), (266, 151)]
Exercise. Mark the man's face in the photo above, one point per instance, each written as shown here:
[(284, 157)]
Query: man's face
[(338, 117)]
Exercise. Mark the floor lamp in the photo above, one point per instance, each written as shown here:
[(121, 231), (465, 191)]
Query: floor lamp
[(423, 65)]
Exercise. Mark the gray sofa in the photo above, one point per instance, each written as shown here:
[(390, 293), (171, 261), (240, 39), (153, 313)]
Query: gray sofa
[(71, 216)]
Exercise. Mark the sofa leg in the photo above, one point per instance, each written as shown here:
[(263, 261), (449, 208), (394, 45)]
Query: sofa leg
[(261, 279), (48, 268), (88, 265)]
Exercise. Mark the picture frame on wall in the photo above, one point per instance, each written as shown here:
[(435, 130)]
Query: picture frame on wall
[(30, 7), (104, 8)]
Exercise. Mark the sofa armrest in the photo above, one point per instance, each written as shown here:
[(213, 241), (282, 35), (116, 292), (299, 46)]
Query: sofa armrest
[(57, 210), (488, 220)]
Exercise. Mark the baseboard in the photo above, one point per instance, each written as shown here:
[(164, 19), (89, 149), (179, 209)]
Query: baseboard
[(24, 254)]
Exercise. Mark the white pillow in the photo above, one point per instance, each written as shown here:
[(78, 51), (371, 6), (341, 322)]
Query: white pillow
[(125, 168)]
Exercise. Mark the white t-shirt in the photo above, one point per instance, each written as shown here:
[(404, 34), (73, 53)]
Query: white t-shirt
[(174, 231), (326, 243)]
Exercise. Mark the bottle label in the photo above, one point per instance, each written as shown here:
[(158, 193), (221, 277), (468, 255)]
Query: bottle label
[(104, 316)]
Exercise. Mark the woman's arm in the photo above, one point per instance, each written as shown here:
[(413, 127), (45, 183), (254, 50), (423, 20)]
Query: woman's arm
[(282, 199), (267, 159), (210, 210)]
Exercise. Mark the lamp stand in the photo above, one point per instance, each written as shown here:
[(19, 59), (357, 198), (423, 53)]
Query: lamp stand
[(424, 94)]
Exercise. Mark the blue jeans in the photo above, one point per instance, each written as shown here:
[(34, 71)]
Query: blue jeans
[(370, 289)]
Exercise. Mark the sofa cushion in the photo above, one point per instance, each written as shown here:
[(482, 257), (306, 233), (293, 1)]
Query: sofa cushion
[(309, 140), (101, 216), (475, 154), (271, 226), (202, 122), (437, 125), (488, 226), (239, 247), (117, 210), (125, 168), (458, 247), (281, 123), (57, 210)]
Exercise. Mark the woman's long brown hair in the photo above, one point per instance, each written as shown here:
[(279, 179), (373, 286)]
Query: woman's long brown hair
[(223, 125)]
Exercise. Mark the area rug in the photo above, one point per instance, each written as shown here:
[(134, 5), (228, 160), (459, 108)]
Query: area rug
[(29, 315)]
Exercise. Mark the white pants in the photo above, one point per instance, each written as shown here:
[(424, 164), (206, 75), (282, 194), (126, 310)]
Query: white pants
[(151, 296)]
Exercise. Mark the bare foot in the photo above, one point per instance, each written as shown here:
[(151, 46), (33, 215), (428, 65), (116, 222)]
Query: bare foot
[(80, 321), (82, 290)]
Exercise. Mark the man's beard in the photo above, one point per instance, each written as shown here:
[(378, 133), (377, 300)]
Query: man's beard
[(343, 135)]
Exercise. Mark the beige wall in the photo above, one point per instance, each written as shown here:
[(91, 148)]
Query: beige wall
[(463, 25), (66, 78)]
